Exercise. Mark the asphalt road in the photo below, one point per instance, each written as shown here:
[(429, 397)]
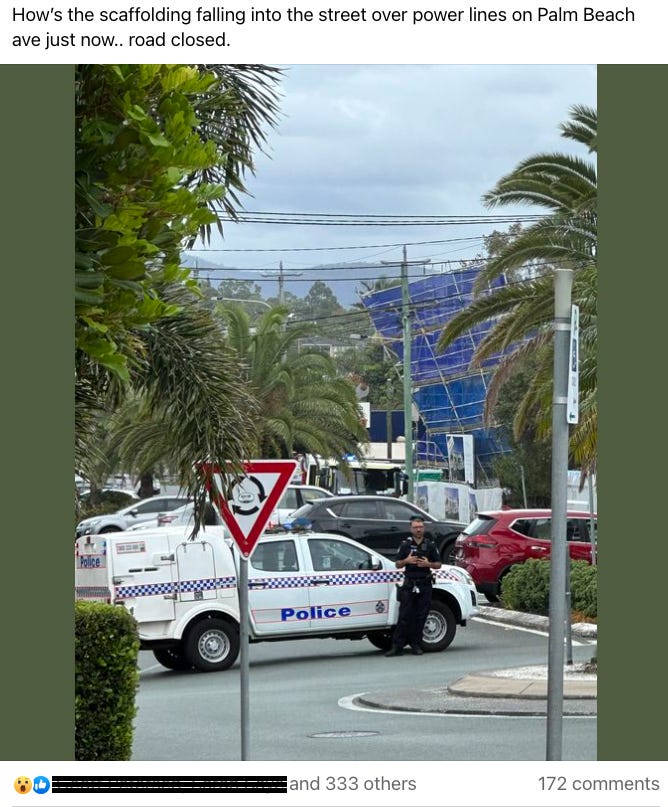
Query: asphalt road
[(301, 705)]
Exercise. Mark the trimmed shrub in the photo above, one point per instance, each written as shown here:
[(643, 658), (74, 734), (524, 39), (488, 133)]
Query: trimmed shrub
[(584, 588), (526, 587), (107, 501), (107, 676)]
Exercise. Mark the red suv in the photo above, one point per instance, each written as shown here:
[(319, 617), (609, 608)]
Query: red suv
[(496, 540)]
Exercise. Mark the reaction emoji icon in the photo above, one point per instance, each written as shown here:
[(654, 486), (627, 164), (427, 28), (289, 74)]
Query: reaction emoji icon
[(40, 784), (22, 784)]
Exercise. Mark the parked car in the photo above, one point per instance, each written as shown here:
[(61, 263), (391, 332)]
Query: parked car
[(498, 539), (134, 513), (181, 516), (294, 497), (379, 522)]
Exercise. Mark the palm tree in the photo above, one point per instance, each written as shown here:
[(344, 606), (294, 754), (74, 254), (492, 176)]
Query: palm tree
[(185, 402), (149, 358), (302, 404), (523, 311), (233, 114)]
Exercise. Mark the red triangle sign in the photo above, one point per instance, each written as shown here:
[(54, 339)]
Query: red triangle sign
[(253, 496)]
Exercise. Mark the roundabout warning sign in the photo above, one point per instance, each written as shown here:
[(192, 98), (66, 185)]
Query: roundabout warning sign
[(253, 496)]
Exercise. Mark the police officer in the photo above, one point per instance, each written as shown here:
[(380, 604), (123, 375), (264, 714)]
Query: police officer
[(417, 555)]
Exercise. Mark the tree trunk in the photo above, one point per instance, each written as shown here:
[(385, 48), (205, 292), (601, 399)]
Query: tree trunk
[(146, 486)]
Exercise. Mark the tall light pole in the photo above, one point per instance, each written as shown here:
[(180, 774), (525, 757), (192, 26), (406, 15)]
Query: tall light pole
[(407, 381)]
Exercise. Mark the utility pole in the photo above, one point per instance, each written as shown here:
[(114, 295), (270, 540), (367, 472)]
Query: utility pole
[(281, 274), (389, 396), (563, 281), (407, 332), (408, 398)]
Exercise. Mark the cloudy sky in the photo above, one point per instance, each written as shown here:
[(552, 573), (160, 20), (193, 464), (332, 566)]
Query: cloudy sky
[(399, 140)]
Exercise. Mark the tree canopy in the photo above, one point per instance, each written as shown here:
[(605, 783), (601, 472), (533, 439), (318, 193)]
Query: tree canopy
[(159, 150), (304, 405)]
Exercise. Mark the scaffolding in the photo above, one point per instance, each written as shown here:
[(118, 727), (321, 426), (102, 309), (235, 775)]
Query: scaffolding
[(448, 394)]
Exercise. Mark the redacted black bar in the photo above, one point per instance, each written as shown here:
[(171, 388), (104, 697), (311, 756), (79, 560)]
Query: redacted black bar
[(169, 784)]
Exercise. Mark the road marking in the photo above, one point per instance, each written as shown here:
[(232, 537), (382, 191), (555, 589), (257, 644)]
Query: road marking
[(507, 626)]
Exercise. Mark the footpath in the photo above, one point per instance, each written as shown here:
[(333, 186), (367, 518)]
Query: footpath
[(520, 691)]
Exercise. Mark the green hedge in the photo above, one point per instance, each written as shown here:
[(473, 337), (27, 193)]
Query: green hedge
[(526, 587), (107, 676), (584, 588)]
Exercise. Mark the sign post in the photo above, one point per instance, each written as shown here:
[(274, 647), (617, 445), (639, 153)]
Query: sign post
[(245, 502)]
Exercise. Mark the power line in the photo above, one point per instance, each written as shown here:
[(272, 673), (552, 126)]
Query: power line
[(423, 222), (376, 219), (387, 215), (332, 249), (395, 305), (355, 266), (461, 263)]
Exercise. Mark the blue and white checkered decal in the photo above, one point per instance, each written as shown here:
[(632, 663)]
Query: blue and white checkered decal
[(340, 579), (269, 583), (446, 576), (169, 587)]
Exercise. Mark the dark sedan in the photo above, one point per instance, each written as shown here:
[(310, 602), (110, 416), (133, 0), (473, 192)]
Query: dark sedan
[(379, 522)]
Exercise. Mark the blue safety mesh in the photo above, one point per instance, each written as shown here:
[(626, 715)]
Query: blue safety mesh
[(449, 395)]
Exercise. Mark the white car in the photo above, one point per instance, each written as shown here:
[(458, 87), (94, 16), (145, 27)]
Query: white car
[(181, 516), (135, 513), (183, 591), (293, 498)]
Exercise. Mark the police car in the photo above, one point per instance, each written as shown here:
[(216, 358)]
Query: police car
[(183, 591)]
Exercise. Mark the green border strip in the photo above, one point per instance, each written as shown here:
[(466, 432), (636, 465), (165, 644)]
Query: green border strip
[(631, 479), (38, 413), (37, 690)]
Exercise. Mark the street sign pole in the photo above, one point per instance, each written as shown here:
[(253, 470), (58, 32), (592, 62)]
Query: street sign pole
[(244, 661), (246, 502), (563, 279)]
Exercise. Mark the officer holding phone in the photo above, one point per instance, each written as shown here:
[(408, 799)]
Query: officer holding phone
[(417, 556)]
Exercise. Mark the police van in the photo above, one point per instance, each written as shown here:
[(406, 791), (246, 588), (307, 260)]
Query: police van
[(182, 591)]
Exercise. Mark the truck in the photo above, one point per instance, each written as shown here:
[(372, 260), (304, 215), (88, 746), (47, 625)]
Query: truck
[(366, 476), (182, 590)]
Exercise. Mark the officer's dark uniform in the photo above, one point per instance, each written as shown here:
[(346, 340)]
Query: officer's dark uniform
[(414, 594)]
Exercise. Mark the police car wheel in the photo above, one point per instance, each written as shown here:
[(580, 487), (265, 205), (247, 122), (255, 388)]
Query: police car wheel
[(382, 639), (172, 658), (212, 645), (439, 629)]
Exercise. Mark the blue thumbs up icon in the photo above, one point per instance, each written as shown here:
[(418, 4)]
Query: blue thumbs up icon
[(40, 784)]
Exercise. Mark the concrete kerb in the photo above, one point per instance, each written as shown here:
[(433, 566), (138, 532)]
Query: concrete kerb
[(493, 693)]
